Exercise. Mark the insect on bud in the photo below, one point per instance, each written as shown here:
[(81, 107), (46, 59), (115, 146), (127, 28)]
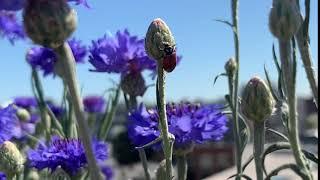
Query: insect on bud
[(160, 44), (284, 19), (49, 23), (257, 102), (133, 84), (231, 67), (11, 160)]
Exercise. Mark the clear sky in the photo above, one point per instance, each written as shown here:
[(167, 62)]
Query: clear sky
[(204, 44)]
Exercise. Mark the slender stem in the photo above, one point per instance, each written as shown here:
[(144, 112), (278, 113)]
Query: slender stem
[(144, 161), (234, 7), (182, 167), (258, 143), (167, 146), (133, 102), (305, 52), (290, 91), (66, 65)]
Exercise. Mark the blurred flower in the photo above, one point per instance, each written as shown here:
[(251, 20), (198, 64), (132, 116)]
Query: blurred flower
[(44, 58), (122, 54), (57, 110), (69, 154), (2, 176), (9, 124), (9, 26), (15, 5), (189, 124), (107, 172), (94, 104), (25, 102)]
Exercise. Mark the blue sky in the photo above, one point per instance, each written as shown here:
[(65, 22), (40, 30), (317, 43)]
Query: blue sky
[(204, 44)]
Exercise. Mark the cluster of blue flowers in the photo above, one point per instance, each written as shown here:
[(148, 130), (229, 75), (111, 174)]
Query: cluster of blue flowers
[(189, 123)]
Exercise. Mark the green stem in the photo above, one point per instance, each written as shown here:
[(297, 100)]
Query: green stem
[(66, 66), (236, 131), (182, 167), (144, 161), (167, 146), (290, 91), (258, 147)]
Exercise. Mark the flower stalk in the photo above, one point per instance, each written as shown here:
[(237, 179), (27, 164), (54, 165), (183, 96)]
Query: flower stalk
[(258, 143), (167, 144), (66, 69), (289, 73), (182, 165)]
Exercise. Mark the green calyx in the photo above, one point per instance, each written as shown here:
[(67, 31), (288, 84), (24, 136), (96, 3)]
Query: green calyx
[(11, 160)]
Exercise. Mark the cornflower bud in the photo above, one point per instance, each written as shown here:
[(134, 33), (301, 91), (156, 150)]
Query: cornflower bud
[(133, 84), (231, 67), (49, 23), (11, 160), (23, 114), (257, 101), (160, 44), (284, 19)]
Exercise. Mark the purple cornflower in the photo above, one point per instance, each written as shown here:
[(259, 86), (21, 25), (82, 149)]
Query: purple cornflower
[(189, 123), (57, 110), (94, 104), (16, 5), (107, 172), (69, 154), (2, 176), (122, 54), (25, 102), (9, 124), (9, 26), (44, 58)]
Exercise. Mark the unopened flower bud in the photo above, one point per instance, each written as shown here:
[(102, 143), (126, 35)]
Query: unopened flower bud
[(23, 114), (284, 19), (133, 84), (49, 23), (159, 41), (231, 67), (257, 102), (33, 175), (11, 160)]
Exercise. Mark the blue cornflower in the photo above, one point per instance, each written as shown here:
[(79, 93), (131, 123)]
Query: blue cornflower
[(94, 104), (25, 102), (58, 111), (9, 124), (69, 154), (9, 26), (2, 176), (189, 123), (107, 172), (122, 54), (44, 58)]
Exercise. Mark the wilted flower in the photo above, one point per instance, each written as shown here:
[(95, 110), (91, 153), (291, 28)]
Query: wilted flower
[(9, 26), (69, 154), (45, 59), (94, 104), (189, 124), (9, 124)]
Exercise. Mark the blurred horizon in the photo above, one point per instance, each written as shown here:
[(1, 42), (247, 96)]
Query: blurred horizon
[(204, 44)]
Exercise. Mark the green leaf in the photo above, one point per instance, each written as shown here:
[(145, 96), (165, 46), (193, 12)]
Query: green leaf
[(240, 175), (270, 85), (277, 133), (247, 162), (217, 77)]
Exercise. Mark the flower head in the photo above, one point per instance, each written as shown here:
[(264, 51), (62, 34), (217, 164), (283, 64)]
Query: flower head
[(25, 102), (94, 104), (44, 58), (2, 176), (11, 5), (57, 110), (122, 54), (69, 154), (189, 124), (107, 172), (9, 124), (9, 26)]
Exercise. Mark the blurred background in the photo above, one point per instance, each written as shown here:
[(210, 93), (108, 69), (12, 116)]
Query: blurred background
[(204, 44)]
